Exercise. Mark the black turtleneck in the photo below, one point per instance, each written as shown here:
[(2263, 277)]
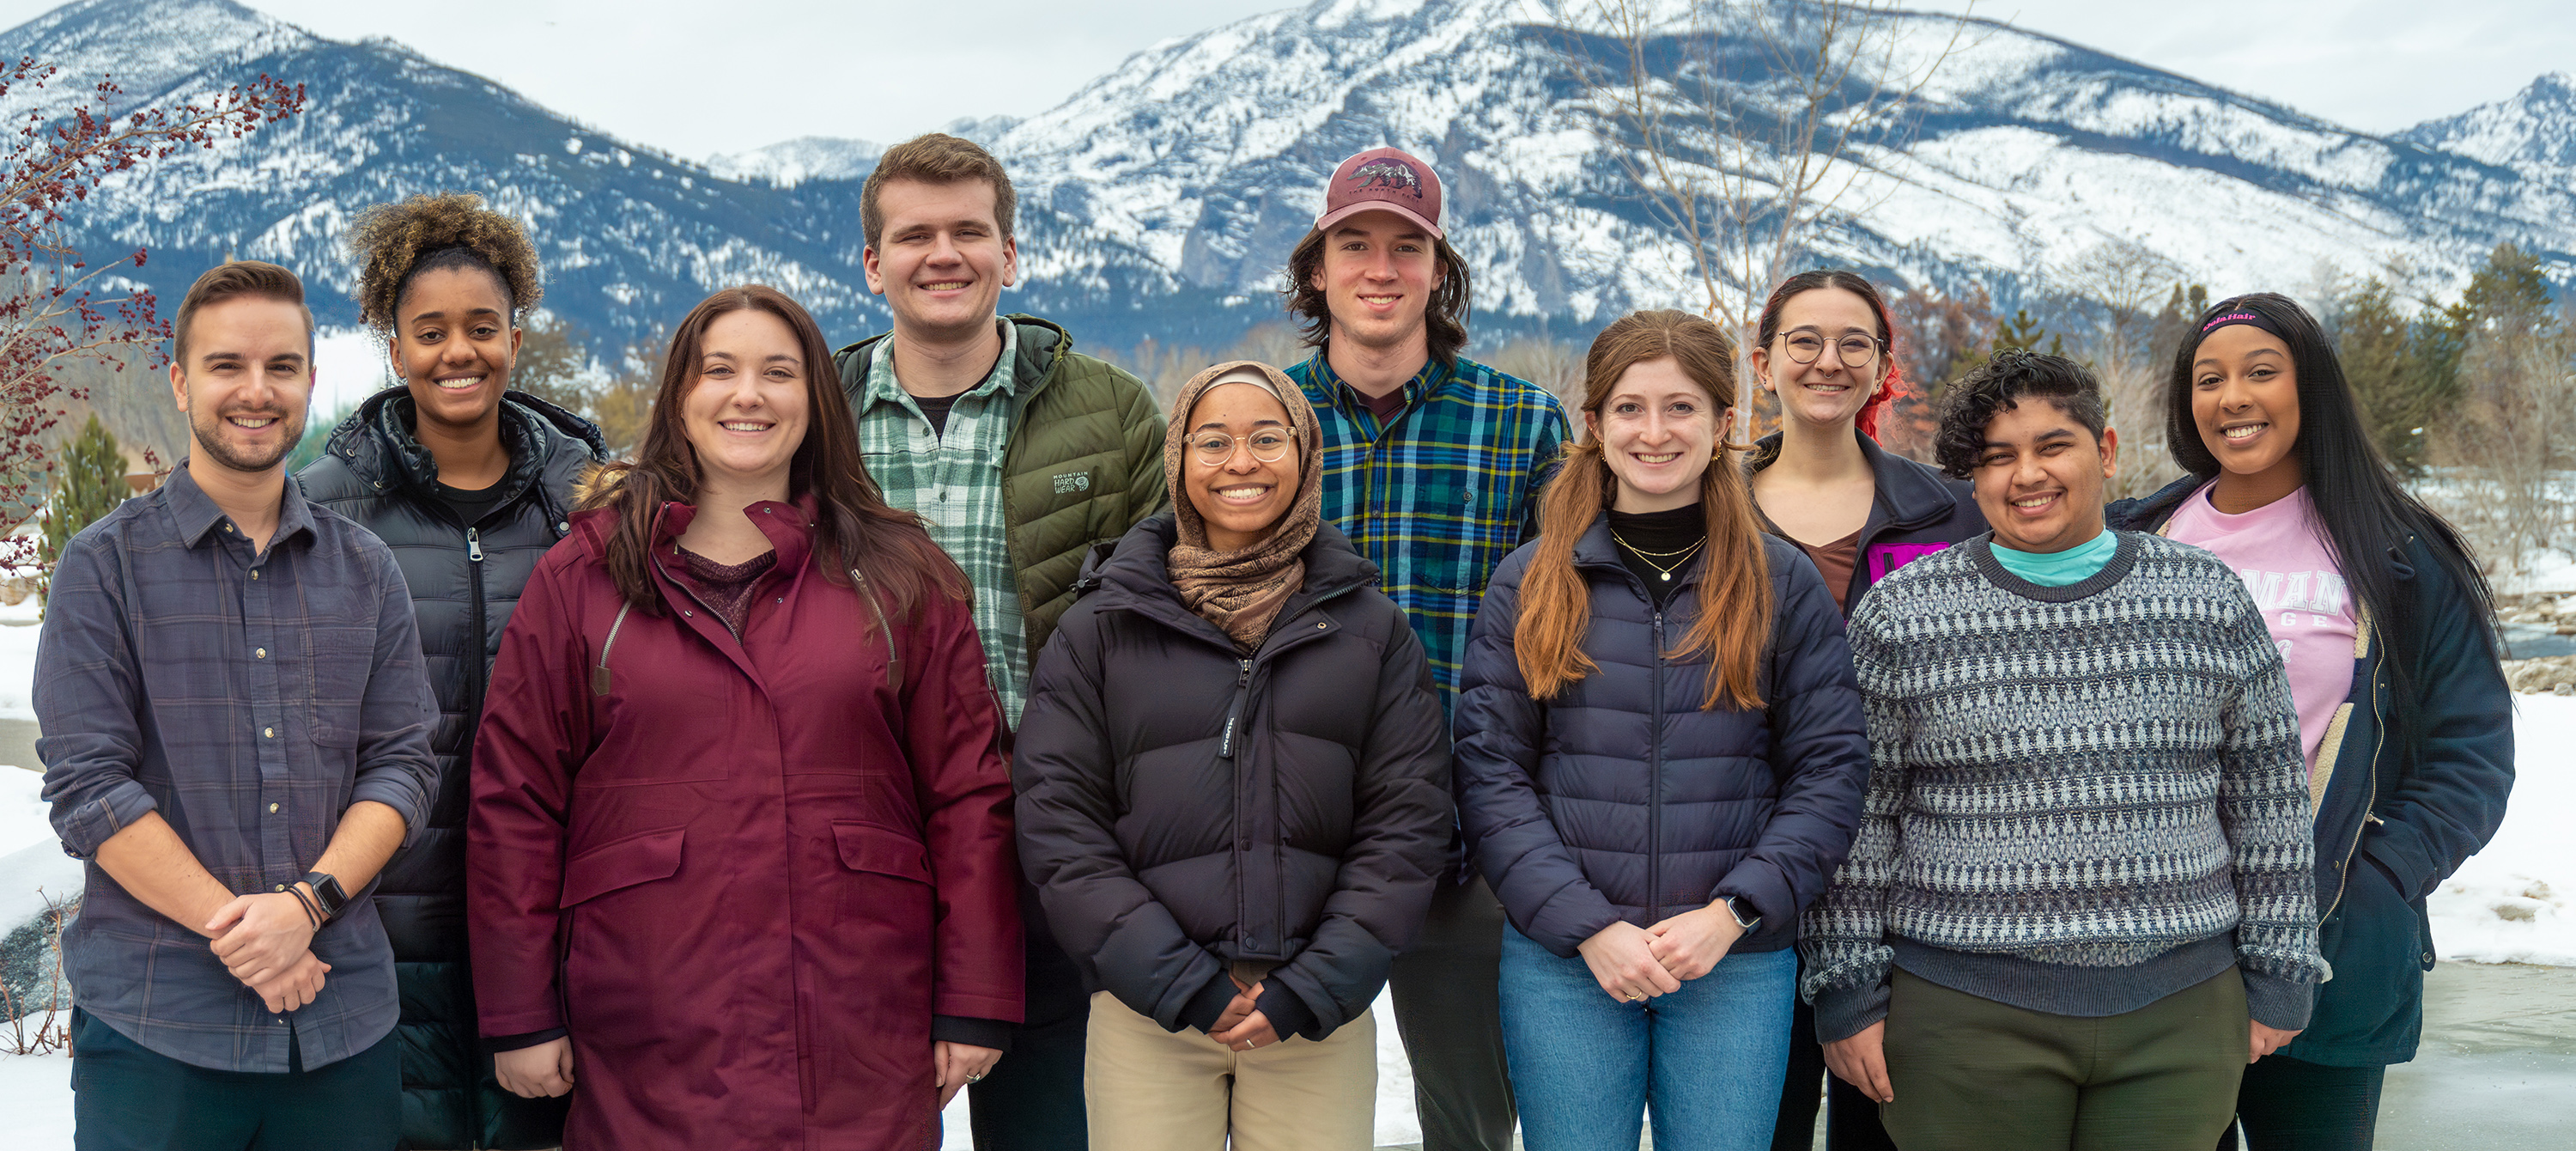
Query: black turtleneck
[(1664, 532)]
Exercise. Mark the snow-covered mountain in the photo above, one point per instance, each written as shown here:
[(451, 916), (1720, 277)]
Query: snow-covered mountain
[(2533, 130), (1161, 199)]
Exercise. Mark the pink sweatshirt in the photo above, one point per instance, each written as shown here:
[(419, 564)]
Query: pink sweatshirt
[(2280, 551)]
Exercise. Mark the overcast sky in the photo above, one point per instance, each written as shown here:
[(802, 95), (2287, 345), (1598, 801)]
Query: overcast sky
[(769, 70)]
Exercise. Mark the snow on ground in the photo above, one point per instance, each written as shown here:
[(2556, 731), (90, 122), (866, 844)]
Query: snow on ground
[(36, 1095), (18, 661), (2515, 902)]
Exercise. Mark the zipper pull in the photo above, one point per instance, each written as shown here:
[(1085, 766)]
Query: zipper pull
[(2372, 817), (473, 545), (1243, 677)]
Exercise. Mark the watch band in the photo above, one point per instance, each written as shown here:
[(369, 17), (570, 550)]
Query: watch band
[(327, 894)]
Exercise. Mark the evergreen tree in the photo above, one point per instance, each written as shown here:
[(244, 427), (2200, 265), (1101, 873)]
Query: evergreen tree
[(2021, 331), (2378, 348), (89, 481)]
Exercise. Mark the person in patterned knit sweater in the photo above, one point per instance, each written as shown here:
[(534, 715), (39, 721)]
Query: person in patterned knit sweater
[(2079, 901)]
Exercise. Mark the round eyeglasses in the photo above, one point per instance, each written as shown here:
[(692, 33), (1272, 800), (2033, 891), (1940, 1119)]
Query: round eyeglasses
[(1268, 445), (1807, 345)]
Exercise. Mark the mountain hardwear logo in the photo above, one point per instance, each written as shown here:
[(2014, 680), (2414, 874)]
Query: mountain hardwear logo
[(1386, 173), (1073, 482)]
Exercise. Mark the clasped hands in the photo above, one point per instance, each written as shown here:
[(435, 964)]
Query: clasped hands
[(1242, 1026), (1635, 963), (266, 941)]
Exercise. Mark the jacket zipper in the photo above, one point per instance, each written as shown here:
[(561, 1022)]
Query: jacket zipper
[(476, 668), (1242, 793), (1655, 785), (2378, 740)]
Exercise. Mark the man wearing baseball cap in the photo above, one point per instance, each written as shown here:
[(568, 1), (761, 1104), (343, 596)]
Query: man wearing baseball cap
[(1432, 466)]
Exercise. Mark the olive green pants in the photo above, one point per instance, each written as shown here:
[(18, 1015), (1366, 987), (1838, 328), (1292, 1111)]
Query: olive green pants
[(1971, 1074)]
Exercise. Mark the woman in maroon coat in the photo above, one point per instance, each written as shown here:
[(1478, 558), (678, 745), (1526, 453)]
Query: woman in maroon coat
[(740, 869)]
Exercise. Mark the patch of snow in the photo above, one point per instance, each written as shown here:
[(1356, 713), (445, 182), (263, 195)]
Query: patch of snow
[(18, 666), (36, 1095), (2515, 902)]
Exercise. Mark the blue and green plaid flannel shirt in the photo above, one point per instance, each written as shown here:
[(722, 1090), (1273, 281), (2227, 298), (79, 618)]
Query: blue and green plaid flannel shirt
[(1440, 493)]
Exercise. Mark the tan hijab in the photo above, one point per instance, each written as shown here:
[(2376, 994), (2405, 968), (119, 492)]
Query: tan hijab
[(1242, 591)]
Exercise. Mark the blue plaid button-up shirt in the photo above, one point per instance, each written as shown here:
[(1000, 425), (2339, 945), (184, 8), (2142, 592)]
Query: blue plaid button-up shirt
[(1439, 493), (250, 699)]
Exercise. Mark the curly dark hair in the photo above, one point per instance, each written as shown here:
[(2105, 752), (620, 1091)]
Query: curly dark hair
[(395, 243), (1968, 406), (1446, 316)]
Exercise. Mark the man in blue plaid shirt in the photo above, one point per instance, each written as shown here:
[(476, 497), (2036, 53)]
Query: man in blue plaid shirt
[(1432, 466)]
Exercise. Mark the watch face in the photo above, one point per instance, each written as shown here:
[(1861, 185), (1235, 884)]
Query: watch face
[(326, 891)]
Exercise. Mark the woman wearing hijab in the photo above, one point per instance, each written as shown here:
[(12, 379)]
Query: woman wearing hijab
[(1233, 793)]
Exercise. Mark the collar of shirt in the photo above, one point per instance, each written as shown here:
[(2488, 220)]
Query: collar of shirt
[(883, 388), (195, 515), (1351, 403)]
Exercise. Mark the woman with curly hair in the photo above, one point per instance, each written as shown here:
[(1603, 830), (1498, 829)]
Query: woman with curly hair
[(469, 483)]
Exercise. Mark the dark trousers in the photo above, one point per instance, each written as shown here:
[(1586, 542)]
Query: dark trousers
[(1851, 1118), (2288, 1104), (1448, 1009), (126, 1097), (1972, 1074), (1032, 1100)]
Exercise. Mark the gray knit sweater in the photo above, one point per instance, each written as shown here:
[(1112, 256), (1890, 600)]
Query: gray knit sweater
[(2081, 798)]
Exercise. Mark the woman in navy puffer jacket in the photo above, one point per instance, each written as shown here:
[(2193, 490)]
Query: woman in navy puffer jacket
[(1660, 761)]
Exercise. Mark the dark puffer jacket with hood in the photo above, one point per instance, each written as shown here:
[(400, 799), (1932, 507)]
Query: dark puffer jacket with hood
[(464, 580), (1621, 799), (1184, 809)]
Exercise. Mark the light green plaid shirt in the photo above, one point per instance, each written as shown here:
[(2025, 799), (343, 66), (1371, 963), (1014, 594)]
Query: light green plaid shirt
[(953, 480)]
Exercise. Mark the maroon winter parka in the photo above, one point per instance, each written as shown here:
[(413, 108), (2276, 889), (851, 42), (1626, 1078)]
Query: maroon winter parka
[(746, 876)]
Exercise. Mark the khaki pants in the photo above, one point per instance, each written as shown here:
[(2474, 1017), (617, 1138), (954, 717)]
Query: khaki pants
[(1154, 1090)]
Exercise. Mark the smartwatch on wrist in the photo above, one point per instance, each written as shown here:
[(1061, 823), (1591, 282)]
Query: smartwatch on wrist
[(1736, 905), (327, 894)]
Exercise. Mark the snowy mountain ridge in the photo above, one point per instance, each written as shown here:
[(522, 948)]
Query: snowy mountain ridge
[(1161, 199)]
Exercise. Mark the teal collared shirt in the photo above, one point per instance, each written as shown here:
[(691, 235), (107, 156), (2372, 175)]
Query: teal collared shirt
[(952, 479)]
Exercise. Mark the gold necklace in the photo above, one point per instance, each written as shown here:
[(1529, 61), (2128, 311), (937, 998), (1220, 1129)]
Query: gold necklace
[(1665, 572)]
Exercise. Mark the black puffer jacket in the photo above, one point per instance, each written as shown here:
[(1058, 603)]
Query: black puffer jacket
[(1621, 798), (1183, 809), (464, 580)]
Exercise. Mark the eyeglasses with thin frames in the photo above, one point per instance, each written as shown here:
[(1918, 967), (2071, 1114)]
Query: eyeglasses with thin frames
[(1268, 445), (1855, 351)]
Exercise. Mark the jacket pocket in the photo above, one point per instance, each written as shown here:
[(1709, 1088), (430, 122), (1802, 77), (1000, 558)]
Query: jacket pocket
[(640, 858), (883, 850)]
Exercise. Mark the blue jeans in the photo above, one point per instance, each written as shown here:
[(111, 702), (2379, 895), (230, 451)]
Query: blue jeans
[(1706, 1061)]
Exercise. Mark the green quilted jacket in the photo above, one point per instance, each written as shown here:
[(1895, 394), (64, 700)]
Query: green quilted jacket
[(1083, 465)]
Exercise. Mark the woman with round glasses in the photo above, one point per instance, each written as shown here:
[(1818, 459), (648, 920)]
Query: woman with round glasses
[(1827, 349), (1233, 786)]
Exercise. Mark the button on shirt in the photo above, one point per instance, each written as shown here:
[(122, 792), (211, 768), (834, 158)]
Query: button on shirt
[(951, 476), (250, 699)]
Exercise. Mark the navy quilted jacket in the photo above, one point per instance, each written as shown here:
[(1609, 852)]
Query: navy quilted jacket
[(1621, 798)]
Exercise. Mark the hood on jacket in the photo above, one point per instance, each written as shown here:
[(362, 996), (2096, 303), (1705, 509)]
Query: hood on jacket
[(1042, 343), (378, 446)]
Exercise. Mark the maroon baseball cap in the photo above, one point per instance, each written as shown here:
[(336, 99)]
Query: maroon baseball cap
[(1383, 179)]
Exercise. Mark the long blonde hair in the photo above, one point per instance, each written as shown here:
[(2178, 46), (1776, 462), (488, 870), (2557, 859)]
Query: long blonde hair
[(1734, 623)]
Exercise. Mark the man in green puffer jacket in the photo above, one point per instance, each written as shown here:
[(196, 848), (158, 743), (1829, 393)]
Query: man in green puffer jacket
[(1020, 454)]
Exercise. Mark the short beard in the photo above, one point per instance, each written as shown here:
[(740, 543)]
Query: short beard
[(209, 427)]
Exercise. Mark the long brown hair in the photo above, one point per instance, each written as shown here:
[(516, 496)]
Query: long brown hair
[(854, 526), (1734, 622)]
